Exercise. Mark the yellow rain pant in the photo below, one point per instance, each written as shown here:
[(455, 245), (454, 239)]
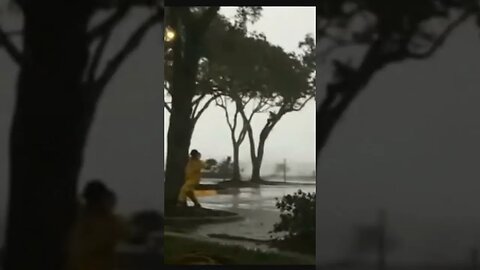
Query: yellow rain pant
[(193, 172), (93, 242)]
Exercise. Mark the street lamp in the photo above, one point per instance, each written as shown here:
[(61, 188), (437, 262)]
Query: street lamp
[(169, 34)]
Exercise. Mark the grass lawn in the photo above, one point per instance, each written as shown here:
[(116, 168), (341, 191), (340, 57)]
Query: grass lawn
[(175, 248)]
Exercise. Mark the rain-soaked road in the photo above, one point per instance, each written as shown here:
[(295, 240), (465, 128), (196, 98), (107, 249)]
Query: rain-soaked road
[(256, 205)]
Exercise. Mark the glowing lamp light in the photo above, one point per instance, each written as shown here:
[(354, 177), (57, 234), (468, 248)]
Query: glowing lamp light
[(169, 34)]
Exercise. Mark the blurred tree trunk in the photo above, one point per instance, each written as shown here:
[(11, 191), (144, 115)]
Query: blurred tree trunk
[(48, 134), (54, 111), (339, 97)]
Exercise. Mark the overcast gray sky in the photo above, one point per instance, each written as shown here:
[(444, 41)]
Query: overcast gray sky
[(410, 144), (294, 136)]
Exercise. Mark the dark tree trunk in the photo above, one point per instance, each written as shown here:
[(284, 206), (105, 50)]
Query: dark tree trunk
[(253, 154), (178, 138), (236, 162), (48, 134), (180, 127), (186, 56), (256, 166), (339, 97), (257, 162), (257, 158)]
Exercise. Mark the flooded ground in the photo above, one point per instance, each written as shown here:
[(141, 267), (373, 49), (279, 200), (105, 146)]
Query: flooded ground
[(256, 205)]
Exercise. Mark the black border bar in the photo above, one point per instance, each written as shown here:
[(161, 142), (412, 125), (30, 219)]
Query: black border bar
[(245, 267), (279, 3)]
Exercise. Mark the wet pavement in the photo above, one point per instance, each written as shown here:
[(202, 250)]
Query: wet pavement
[(256, 205)]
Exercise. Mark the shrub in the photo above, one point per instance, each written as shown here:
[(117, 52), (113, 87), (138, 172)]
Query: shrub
[(297, 222), (143, 223), (211, 163)]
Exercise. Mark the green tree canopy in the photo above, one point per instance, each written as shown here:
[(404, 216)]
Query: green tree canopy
[(247, 69)]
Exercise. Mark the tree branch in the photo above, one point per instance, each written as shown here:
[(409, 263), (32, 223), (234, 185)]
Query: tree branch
[(205, 106), (169, 109), (248, 101), (223, 105), (196, 101), (302, 105), (11, 49), (195, 105), (166, 87), (243, 132), (131, 44), (235, 118), (97, 56), (441, 39), (108, 24), (262, 106), (218, 103), (249, 131)]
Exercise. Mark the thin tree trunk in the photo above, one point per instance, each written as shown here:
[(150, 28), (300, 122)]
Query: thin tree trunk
[(236, 142), (236, 162), (48, 135), (251, 140)]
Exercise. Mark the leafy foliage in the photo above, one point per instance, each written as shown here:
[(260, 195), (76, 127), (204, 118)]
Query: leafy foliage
[(145, 222), (211, 162), (250, 66), (225, 166), (246, 15), (297, 220), (218, 29)]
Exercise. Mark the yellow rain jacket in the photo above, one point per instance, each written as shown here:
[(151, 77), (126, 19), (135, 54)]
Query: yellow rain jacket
[(193, 173), (93, 242)]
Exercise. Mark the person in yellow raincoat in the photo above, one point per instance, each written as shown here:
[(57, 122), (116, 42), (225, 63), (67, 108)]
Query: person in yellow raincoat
[(193, 173), (96, 231)]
